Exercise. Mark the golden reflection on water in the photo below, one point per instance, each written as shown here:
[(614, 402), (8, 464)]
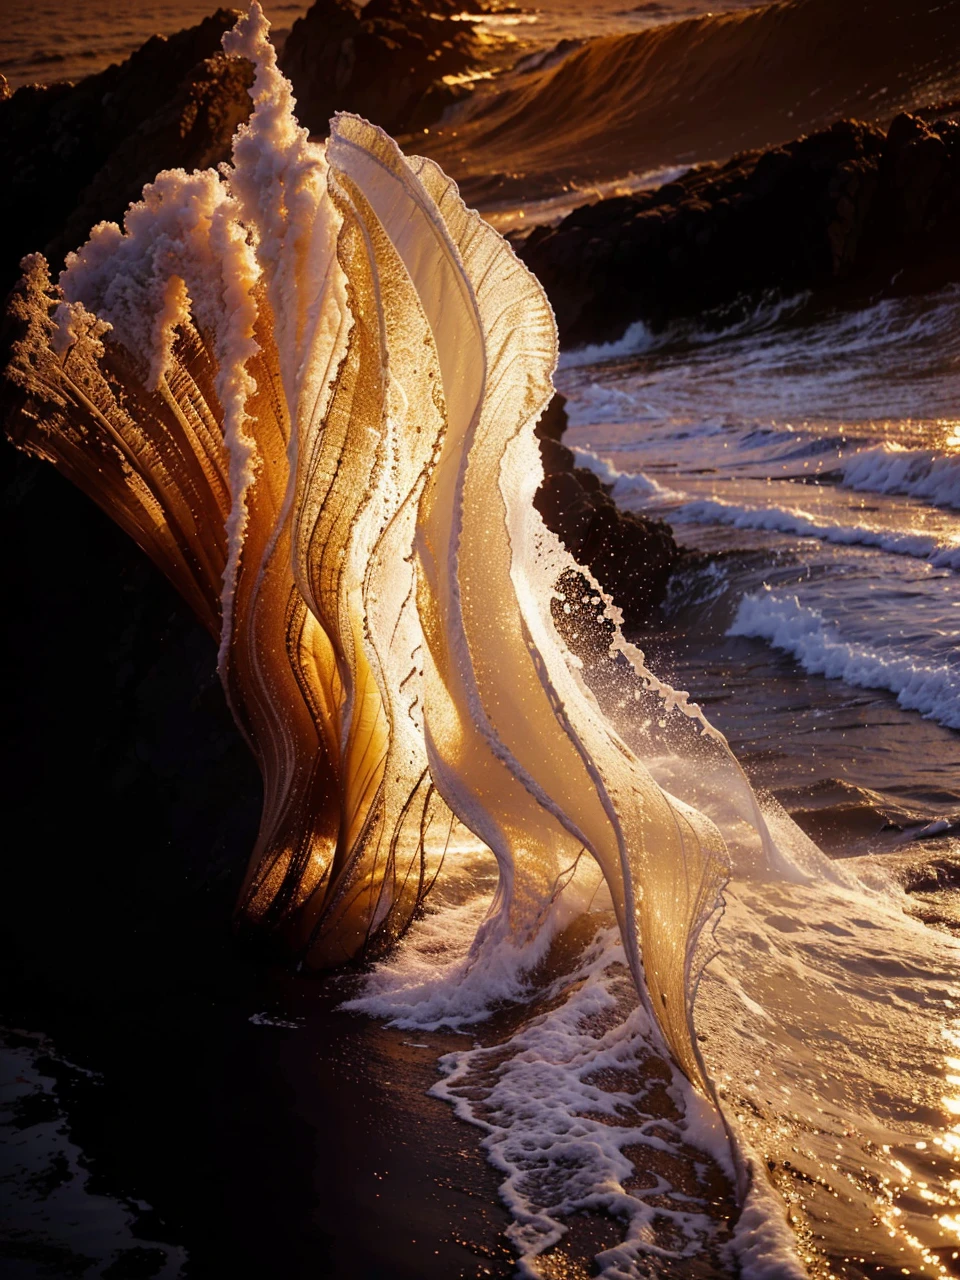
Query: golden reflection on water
[(908, 433), (940, 1192)]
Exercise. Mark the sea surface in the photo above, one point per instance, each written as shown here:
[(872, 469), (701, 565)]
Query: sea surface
[(59, 40), (428, 1120), (69, 39), (810, 464)]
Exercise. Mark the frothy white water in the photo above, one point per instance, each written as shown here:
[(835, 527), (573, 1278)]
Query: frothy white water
[(892, 362), (557, 1124), (804, 633), (637, 338), (452, 970), (827, 1015), (627, 488), (582, 1110), (929, 475), (941, 554), (308, 383), (386, 358)]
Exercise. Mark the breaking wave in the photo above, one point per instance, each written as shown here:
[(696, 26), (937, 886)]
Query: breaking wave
[(941, 554), (307, 384), (928, 475), (627, 488), (703, 88), (786, 624)]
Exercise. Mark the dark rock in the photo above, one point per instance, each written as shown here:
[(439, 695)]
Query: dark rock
[(386, 62), (631, 556), (556, 456), (113, 707), (840, 213), (74, 155), (553, 422)]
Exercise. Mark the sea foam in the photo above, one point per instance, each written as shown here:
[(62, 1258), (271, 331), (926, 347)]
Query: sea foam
[(804, 633), (942, 554), (929, 475), (636, 339), (581, 1109), (628, 488)]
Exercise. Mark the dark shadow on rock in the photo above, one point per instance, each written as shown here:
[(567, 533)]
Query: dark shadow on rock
[(74, 155), (631, 556), (844, 214)]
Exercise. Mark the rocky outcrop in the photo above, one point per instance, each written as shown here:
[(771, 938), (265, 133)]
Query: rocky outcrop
[(74, 155), (840, 213), (386, 62), (631, 556)]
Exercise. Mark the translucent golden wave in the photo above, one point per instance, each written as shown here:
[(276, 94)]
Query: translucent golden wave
[(307, 386)]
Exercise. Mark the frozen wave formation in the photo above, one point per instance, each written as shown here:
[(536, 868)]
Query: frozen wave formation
[(307, 386)]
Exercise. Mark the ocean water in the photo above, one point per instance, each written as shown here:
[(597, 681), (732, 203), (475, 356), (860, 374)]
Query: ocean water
[(606, 112), (809, 464), (68, 39), (59, 40), (829, 446)]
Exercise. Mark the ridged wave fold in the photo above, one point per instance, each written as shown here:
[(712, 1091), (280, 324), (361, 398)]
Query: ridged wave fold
[(307, 386)]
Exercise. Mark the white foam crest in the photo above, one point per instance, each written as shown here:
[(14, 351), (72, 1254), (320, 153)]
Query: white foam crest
[(560, 1103), (922, 546), (929, 475), (763, 1243), (517, 741), (279, 179), (804, 633), (429, 981), (636, 339), (627, 488), (457, 965), (183, 253)]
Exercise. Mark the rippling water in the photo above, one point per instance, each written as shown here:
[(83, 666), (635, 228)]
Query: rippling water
[(810, 466), (62, 40), (822, 460), (69, 39)]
